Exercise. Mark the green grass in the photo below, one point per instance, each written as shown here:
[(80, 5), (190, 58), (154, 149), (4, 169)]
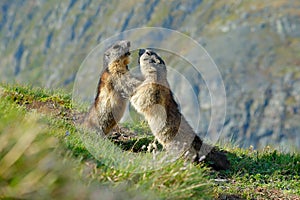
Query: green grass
[(254, 171), (44, 155), (26, 95)]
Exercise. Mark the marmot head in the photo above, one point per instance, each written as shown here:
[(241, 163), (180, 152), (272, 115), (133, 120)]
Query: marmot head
[(117, 52), (151, 63)]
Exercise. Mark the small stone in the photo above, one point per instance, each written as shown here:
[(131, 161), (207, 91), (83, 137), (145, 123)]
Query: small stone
[(67, 133)]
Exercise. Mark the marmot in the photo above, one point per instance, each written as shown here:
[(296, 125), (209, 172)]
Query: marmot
[(114, 85), (154, 99)]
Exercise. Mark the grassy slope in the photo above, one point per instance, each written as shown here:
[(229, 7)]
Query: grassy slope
[(42, 154)]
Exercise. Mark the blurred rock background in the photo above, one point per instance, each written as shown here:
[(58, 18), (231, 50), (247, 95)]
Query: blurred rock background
[(255, 44)]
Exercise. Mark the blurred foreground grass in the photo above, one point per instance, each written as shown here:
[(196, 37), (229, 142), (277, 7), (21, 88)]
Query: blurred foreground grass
[(30, 165), (44, 156)]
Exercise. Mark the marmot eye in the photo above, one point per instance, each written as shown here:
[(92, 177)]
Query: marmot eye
[(149, 53), (116, 46)]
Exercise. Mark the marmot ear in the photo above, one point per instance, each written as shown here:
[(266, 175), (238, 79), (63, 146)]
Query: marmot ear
[(161, 61), (157, 61)]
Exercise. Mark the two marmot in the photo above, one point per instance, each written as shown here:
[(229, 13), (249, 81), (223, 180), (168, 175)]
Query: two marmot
[(155, 101), (152, 98), (115, 82)]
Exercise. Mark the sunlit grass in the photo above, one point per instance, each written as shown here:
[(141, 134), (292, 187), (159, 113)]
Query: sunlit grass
[(45, 156), (267, 170)]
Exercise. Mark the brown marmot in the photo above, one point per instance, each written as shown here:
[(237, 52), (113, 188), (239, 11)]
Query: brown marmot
[(115, 84), (154, 99)]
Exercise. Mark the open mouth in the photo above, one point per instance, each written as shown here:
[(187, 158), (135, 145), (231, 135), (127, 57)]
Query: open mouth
[(127, 54)]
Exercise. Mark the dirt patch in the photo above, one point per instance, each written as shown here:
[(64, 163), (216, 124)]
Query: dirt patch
[(127, 139), (52, 108)]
